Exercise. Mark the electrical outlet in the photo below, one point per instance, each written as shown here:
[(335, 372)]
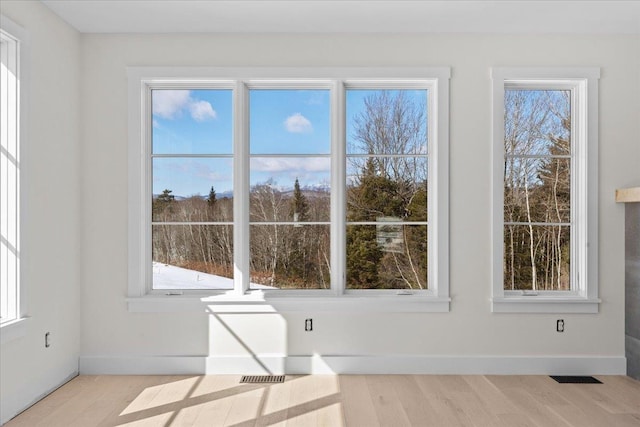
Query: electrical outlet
[(560, 325), (47, 339), (308, 325)]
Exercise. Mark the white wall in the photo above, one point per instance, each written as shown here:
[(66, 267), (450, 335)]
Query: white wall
[(51, 219), (470, 329), (75, 164)]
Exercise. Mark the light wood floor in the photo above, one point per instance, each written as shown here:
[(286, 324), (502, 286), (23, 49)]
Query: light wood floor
[(352, 400)]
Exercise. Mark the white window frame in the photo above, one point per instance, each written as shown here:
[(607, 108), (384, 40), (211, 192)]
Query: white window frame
[(583, 296), (337, 80), (14, 87)]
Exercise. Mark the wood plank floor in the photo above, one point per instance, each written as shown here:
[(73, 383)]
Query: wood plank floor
[(345, 400)]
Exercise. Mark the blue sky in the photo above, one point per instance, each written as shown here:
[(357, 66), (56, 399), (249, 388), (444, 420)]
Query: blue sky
[(281, 122)]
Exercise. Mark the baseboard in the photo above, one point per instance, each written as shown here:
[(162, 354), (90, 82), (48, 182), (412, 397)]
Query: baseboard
[(396, 364)]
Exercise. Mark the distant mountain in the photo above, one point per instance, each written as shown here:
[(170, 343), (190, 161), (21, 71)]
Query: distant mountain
[(319, 187), (311, 191), (224, 195)]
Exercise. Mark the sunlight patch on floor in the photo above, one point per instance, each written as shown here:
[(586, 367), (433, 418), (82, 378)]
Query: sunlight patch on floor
[(215, 384), (246, 407), (155, 421), (164, 394)]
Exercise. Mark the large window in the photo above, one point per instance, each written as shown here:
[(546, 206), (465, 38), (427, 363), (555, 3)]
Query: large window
[(11, 91), (282, 182), (545, 140)]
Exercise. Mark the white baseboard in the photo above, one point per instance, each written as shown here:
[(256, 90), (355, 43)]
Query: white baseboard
[(400, 364)]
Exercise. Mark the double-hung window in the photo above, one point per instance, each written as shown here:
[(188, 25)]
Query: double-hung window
[(545, 190), (264, 183), (12, 55)]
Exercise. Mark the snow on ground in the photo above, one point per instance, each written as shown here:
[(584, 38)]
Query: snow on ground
[(167, 276)]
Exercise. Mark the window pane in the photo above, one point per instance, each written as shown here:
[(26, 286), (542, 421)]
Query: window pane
[(290, 189), (192, 189), (374, 192), (537, 122), (192, 256), (386, 121), (289, 121), (192, 121), (537, 190), (387, 256), (9, 179), (536, 257), (290, 256)]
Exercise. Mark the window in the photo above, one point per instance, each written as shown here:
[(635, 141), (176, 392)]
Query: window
[(11, 93), (387, 156), (290, 191), (282, 182), (192, 189), (545, 210)]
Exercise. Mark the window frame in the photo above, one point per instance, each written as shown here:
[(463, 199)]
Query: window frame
[(241, 80), (583, 85), (18, 41)]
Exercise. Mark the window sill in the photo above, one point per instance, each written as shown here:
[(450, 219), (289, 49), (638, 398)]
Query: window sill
[(13, 330), (544, 304), (251, 304)]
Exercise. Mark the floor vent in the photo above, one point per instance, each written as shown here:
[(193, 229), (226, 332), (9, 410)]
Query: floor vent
[(576, 380), (262, 379)]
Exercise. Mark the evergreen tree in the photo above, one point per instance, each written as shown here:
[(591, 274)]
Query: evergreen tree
[(161, 206), (211, 200), (416, 236), (376, 196), (166, 196), (299, 204), (298, 265)]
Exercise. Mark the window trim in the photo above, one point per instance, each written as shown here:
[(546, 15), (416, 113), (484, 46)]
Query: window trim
[(583, 83), (241, 80), (15, 327)]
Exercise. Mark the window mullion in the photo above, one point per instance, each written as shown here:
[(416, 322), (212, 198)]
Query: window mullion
[(147, 166), (241, 189), (498, 169), (576, 202), (338, 188)]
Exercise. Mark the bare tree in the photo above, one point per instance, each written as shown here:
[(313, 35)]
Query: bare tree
[(391, 123), (537, 187)]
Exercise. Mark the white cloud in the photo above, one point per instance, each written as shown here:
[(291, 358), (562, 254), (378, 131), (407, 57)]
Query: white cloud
[(169, 104), (270, 164), (201, 111), (297, 123)]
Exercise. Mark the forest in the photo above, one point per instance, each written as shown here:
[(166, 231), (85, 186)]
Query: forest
[(382, 254), (386, 195), (537, 190), (290, 228)]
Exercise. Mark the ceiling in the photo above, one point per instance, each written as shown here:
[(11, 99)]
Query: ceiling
[(349, 16)]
